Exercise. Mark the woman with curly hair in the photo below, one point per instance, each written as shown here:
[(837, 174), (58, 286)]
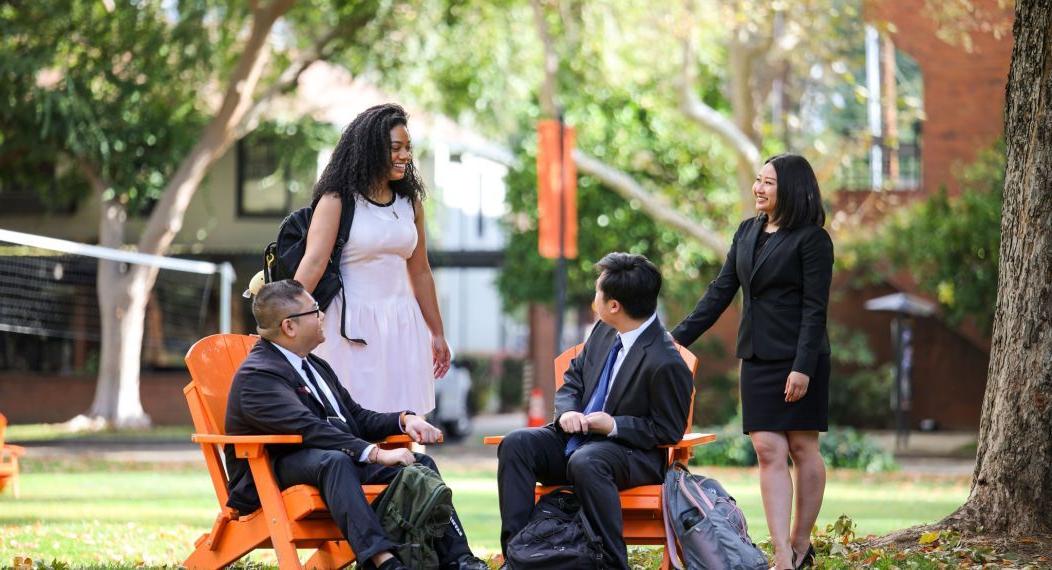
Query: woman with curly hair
[(398, 346)]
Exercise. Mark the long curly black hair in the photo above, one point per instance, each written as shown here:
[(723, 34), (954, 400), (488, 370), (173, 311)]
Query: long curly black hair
[(362, 158)]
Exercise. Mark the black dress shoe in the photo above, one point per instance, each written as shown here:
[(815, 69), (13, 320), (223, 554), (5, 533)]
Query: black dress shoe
[(808, 559), (389, 564), (471, 562)]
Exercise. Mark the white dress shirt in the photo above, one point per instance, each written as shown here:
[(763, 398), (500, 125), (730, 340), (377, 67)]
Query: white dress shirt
[(297, 363)]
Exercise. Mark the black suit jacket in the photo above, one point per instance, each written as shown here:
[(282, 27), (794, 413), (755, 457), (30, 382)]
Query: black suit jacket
[(786, 294), (268, 396), (650, 397)]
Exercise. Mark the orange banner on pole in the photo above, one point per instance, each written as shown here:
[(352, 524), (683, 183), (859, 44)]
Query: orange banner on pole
[(553, 192)]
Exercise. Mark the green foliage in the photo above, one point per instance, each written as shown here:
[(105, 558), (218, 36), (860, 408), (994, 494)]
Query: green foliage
[(116, 93), (498, 379), (950, 246), (846, 448), (841, 447), (299, 142), (862, 387)]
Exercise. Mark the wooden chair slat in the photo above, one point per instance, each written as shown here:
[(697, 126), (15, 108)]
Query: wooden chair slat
[(9, 454)]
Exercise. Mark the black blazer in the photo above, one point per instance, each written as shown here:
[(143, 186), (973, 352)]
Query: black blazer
[(786, 295), (650, 396), (268, 396)]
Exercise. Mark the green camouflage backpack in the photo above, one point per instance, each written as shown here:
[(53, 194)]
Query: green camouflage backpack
[(414, 512)]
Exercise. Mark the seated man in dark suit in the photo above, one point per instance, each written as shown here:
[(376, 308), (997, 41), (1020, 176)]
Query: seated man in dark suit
[(281, 388), (625, 394)]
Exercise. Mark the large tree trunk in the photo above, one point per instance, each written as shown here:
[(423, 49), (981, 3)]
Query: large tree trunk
[(1012, 484), (123, 295), (122, 308)]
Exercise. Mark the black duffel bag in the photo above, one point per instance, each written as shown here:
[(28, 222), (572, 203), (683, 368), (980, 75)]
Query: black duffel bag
[(557, 537)]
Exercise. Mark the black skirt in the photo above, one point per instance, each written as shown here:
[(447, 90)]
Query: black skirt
[(763, 397)]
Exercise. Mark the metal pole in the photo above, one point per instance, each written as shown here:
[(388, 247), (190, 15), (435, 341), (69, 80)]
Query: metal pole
[(226, 283), (560, 262), (900, 406)]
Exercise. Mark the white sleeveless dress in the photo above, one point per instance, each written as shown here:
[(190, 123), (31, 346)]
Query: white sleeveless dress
[(394, 371)]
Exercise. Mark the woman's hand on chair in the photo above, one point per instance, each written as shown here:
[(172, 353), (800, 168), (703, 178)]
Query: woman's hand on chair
[(796, 386)]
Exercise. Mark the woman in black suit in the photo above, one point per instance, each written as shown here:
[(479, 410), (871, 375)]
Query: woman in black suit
[(783, 261)]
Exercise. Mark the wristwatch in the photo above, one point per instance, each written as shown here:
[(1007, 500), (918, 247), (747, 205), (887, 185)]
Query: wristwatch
[(401, 418)]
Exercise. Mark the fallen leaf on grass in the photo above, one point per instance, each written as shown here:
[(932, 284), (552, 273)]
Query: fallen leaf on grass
[(929, 537)]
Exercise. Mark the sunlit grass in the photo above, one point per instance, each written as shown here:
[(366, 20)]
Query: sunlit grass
[(98, 513)]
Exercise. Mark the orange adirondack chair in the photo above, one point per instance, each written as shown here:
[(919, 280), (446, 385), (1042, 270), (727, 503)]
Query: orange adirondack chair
[(641, 507), (9, 455), (294, 518)]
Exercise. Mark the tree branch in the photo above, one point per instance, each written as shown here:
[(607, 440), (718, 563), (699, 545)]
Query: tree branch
[(167, 217), (695, 109), (551, 61), (654, 204), (288, 79)]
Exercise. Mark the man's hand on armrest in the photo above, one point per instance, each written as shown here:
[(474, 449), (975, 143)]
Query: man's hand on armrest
[(421, 431)]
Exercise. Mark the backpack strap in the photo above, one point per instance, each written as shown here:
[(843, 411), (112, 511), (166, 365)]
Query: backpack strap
[(671, 547), (342, 235)]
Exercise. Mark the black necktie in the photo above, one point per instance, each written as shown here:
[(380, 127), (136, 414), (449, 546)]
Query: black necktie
[(312, 381)]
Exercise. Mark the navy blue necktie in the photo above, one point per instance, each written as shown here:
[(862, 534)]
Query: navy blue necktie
[(598, 399)]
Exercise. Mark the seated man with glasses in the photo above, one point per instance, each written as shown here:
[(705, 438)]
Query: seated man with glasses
[(281, 388)]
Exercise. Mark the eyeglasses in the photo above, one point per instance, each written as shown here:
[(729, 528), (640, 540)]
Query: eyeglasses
[(315, 311)]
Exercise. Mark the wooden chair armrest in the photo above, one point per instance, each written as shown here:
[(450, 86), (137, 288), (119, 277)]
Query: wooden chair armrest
[(247, 446), (689, 440), (692, 439), (245, 439), (15, 450), (401, 440)]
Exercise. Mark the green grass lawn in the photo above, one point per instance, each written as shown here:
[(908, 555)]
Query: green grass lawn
[(92, 513)]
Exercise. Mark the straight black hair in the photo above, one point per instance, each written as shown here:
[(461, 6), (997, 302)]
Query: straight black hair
[(631, 280), (799, 200)]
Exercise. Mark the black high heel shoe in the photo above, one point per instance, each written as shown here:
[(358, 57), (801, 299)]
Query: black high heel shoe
[(807, 560)]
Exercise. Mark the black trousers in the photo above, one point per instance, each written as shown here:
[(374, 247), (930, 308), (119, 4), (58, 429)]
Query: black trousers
[(597, 470), (340, 480)]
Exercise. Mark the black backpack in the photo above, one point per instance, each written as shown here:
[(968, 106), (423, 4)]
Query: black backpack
[(282, 258), (557, 537)]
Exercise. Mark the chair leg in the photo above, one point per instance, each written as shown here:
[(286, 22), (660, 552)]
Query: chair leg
[(332, 556), (238, 538), (666, 562)]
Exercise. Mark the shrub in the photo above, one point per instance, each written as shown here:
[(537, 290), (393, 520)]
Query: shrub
[(842, 448), (859, 391)]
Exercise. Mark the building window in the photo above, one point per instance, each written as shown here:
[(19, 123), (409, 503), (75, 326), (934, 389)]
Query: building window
[(268, 185), (33, 185)]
